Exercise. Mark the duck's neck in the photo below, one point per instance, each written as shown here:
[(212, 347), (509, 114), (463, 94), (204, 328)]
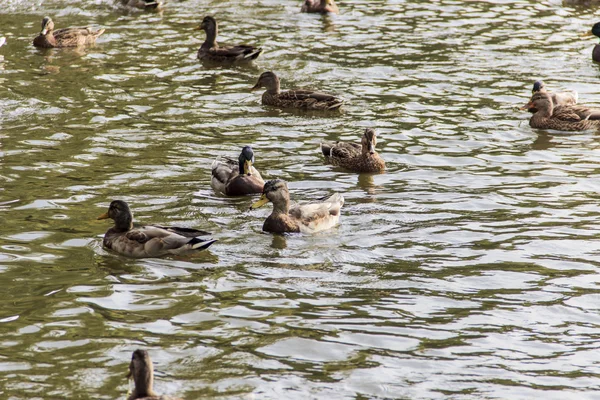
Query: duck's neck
[(274, 88), (143, 380), (281, 207), (124, 223), (211, 38)]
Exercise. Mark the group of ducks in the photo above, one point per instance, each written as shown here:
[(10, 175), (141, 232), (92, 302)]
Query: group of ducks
[(560, 111), (229, 176)]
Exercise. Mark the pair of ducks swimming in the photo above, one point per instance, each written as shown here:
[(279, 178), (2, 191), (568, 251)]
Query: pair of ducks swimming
[(559, 111), (238, 178)]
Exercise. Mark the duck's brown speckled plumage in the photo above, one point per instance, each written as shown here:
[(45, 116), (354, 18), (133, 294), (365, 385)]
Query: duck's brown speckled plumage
[(142, 373), (210, 51), (562, 118), (298, 98), (558, 98), (355, 157), (237, 178), (149, 240), (320, 6), (67, 37), (305, 218), (143, 4)]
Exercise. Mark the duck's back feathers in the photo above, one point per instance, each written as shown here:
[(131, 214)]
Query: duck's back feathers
[(301, 98), (315, 217), (234, 54), (156, 241), (71, 37)]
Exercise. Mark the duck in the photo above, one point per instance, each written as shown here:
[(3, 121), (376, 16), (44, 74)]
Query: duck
[(237, 178), (297, 98), (306, 218), (210, 51), (67, 37), (596, 50), (562, 118), (142, 373), (353, 156), (320, 6), (142, 4), (558, 98), (150, 240)]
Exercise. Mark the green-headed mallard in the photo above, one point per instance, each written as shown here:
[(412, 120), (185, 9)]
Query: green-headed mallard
[(298, 98), (143, 4), (561, 118), (320, 6), (353, 156), (212, 52), (150, 240), (558, 98), (237, 178), (142, 373), (67, 37), (306, 218), (596, 50)]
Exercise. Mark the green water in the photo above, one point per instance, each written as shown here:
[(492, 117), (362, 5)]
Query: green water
[(468, 270)]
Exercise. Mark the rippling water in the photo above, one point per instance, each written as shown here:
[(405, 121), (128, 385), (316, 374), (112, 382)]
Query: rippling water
[(468, 270)]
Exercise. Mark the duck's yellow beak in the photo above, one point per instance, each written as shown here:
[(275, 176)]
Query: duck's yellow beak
[(103, 216), (247, 167), (255, 87), (199, 28), (263, 200)]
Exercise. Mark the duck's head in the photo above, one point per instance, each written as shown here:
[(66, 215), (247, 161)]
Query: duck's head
[(275, 191), (209, 24), (142, 373), (330, 6), (538, 86), (119, 212), (268, 80), (596, 29), (369, 140), (47, 25), (540, 101), (246, 160)]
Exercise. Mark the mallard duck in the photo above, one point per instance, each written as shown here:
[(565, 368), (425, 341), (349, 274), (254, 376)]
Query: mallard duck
[(596, 50), (353, 156), (142, 4), (67, 37), (561, 118), (558, 98), (320, 6), (211, 51), (298, 98), (142, 373), (306, 218), (150, 240), (237, 178)]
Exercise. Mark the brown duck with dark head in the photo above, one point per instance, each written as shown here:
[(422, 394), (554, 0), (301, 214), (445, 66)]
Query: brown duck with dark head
[(237, 178), (142, 373), (355, 157), (149, 240), (210, 51), (67, 37), (562, 118), (296, 98), (558, 98)]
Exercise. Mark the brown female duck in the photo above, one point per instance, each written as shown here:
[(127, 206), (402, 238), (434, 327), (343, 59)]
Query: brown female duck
[(142, 373), (297, 98), (212, 52), (561, 118), (306, 218), (146, 5), (237, 178), (320, 6), (353, 156), (67, 37), (150, 240)]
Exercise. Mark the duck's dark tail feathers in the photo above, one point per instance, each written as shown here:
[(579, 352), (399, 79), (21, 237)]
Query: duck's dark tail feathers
[(254, 54), (201, 244)]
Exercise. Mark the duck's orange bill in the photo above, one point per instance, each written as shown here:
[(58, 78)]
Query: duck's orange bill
[(263, 200), (103, 216), (527, 106)]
